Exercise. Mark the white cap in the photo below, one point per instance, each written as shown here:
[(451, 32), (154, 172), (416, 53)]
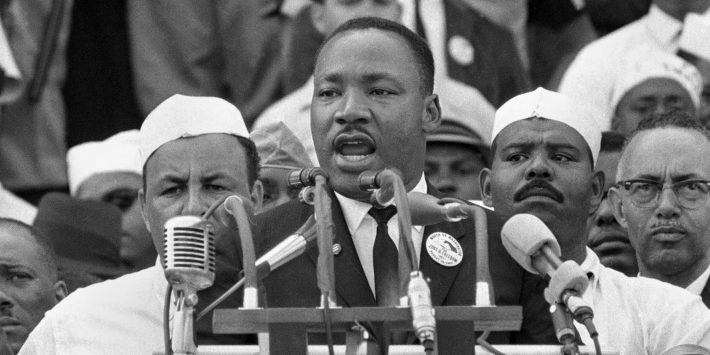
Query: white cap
[(646, 63), (695, 37), (187, 116), (118, 153), (554, 106), (465, 105)]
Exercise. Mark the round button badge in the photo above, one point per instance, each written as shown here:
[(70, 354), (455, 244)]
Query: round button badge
[(444, 249)]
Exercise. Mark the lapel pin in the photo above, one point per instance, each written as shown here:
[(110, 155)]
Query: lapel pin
[(444, 249), (337, 249)]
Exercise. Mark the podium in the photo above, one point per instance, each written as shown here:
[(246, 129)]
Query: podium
[(288, 328)]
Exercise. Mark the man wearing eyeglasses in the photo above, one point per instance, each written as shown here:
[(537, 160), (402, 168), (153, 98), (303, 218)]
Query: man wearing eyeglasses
[(661, 197)]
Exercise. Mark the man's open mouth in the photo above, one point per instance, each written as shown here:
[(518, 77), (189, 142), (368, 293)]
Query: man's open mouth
[(354, 147)]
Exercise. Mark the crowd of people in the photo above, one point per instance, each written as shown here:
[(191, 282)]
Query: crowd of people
[(592, 116)]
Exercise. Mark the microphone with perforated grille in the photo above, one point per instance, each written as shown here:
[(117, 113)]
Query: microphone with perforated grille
[(189, 253)]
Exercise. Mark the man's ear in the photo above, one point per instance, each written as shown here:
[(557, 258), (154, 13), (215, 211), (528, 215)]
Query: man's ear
[(597, 190), (617, 207), (317, 11), (141, 198), (484, 179), (257, 195), (60, 290), (432, 113)]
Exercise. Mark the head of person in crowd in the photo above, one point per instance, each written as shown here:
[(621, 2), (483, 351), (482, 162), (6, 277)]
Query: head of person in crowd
[(544, 149), (110, 171), (458, 150), (653, 82), (679, 9), (661, 197), (29, 285), (196, 151), (280, 153), (693, 47), (327, 15), (605, 235), (86, 237), (373, 103)]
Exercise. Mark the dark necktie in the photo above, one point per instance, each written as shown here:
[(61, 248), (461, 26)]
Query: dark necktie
[(385, 259)]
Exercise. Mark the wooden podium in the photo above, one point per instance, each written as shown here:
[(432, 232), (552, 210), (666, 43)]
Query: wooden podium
[(288, 327)]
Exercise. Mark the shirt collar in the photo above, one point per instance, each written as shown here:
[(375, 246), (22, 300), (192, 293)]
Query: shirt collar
[(662, 26), (696, 287), (355, 211)]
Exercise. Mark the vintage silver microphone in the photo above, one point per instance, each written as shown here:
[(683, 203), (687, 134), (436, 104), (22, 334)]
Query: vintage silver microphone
[(189, 254)]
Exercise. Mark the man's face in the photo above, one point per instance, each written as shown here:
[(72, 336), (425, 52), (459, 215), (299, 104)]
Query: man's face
[(368, 111), (656, 95), (453, 169), (541, 167), (605, 235), (186, 176), (276, 189), (28, 287), (668, 238), (121, 190), (332, 13)]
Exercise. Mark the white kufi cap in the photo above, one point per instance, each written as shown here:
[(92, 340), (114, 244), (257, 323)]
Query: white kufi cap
[(187, 116), (118, 153), (554, 106)]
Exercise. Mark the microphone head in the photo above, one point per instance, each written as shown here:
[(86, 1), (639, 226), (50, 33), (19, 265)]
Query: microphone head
[(523, 235), (189, 253)]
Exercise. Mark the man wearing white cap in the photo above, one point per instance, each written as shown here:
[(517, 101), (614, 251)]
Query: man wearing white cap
[(110, 171), (194, 151), (653, 82), (544, 149), (591, 76)]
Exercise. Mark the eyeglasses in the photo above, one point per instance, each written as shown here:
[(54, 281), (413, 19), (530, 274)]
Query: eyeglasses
[(691, 194)]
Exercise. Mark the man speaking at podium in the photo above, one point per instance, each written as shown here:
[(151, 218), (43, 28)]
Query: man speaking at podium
[(373, 105), (544, 150)]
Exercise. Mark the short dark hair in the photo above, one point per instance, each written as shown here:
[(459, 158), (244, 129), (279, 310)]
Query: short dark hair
[(672, 119), (422, 54), (253, 162), (612, 142), (45, 248)]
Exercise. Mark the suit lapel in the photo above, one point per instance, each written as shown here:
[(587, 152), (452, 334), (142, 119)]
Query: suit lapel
[(350, 281), (441, 276)]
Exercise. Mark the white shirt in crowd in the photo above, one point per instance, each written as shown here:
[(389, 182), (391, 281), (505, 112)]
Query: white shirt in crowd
[(696, 287), (363, 230), (591, 76), (639, 315), (121, 316)]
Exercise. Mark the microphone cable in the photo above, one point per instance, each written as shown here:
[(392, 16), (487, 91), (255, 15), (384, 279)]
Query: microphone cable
[(166, 321)]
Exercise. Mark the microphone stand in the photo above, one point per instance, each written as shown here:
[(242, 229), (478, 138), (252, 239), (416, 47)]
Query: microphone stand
[(384, 183), (235, 206)]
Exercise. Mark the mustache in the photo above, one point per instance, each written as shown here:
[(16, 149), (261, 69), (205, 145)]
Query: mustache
[(538, 187)]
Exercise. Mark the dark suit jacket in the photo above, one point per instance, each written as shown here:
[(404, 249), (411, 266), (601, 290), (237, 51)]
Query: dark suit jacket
[(705, 295), (294, 284)]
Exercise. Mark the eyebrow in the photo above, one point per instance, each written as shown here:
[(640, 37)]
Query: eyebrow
[(367, 78), (552, 145)]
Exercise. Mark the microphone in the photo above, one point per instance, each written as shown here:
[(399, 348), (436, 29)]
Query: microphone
[(189, 254), (305, 177), (291, 247), (422, 310), (528, 240), (427, 210)]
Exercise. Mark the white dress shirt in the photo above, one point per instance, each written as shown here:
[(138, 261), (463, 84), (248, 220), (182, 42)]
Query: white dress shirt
[(696, 287), (638, 315), (121, 316), (363, 230), (591, 76)]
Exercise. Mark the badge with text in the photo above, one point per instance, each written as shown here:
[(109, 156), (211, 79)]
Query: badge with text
[(444, 249), (461, 50)]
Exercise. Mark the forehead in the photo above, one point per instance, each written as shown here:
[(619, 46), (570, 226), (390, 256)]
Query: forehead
[(539, 132), (657, 87), (662, 151), (363, 53), (18, 247), (201, 155)]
